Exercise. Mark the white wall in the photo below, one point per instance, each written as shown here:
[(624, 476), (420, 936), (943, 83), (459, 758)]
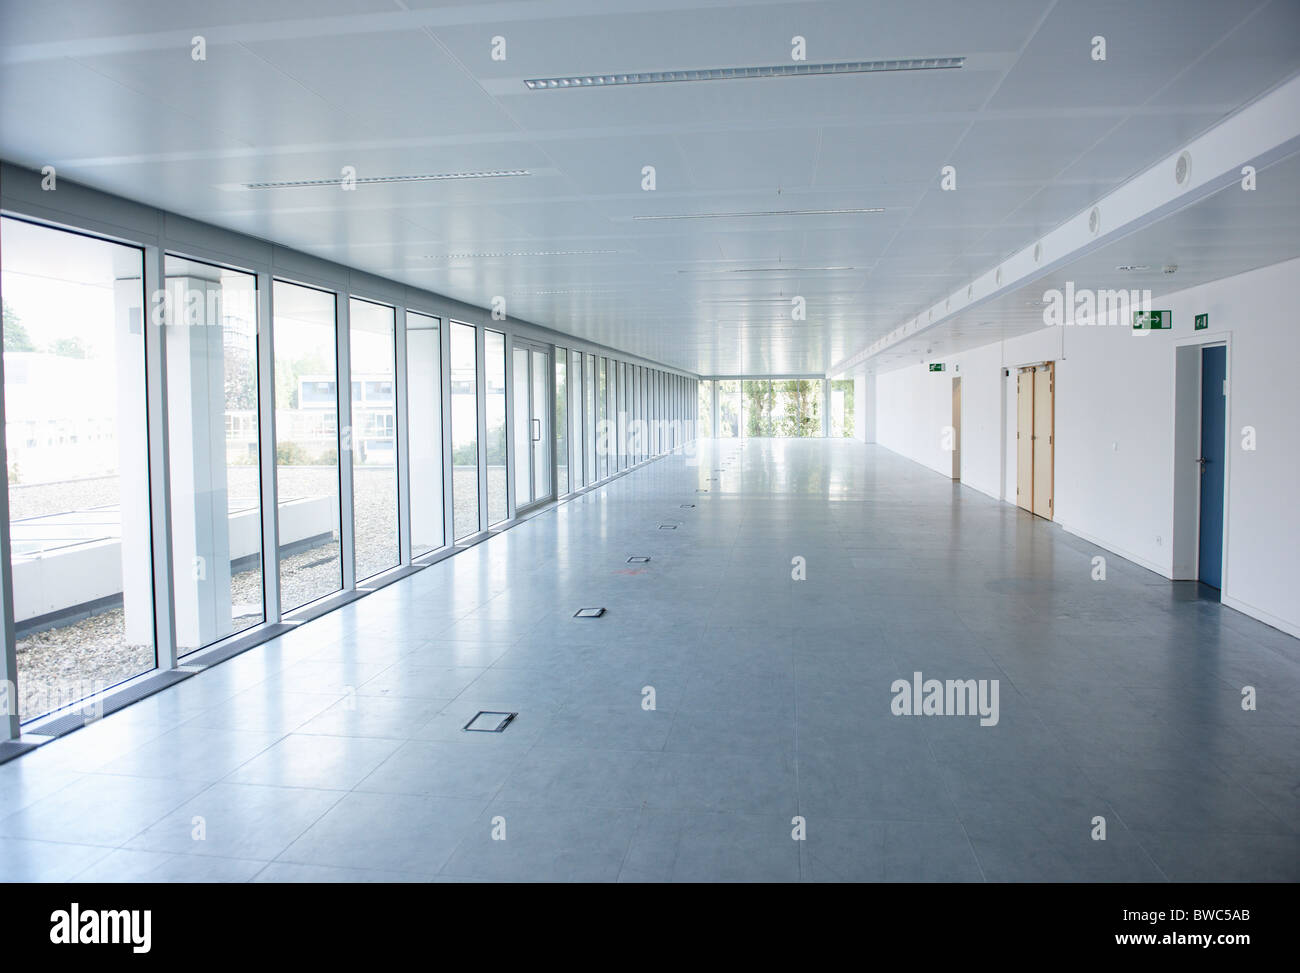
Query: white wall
[(864, 406), (1115, 431)]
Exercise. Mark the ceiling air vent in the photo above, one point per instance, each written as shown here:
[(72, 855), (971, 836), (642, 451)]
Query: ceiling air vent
[(1182, 168)]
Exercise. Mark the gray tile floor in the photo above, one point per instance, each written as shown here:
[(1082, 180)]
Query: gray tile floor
[(335, 752)]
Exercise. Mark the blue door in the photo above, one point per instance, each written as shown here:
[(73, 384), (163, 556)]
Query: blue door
[(1214, 373)]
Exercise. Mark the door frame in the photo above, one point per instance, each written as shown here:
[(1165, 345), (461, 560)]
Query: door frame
[(1184, 481), (531, 347), (1015, 371)]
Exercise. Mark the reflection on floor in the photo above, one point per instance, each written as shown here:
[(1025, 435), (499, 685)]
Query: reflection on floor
[(682, 734)]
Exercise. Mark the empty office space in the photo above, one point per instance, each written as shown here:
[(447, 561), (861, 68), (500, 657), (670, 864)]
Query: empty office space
[(639, 442)]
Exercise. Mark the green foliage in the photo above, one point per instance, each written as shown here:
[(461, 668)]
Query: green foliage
[(785, 407), (15, 334), (290, 454), (68, 348), (241, 379)]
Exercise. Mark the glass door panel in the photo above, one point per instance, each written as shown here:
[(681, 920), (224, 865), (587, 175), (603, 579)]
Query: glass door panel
[(540, 424)]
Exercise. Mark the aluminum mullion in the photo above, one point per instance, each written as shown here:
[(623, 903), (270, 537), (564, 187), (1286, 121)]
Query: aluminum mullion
[(401, 416), (155, 337), (266, 446), (10, 726), (448, 474), (512, 501), (344, 435), (480, 406)]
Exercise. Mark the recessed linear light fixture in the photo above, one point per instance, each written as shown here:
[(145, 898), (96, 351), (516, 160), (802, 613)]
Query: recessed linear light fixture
[(377, 180), (766, 270), (794, 70), (512, 253), (1132, 267), (770, 212)]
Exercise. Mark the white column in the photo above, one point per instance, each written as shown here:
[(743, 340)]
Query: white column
[(196, 397), (864, 404), (132, 433)]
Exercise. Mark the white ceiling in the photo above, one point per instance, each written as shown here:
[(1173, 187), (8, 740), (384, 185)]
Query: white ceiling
[(297, 89), (1228, 233)]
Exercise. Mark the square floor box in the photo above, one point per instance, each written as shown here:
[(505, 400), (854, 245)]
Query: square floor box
[(638, 559), (487, 721), (589, 613)]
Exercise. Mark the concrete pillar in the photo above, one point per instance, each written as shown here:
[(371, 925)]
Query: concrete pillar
[(196, 406), (132, 434)]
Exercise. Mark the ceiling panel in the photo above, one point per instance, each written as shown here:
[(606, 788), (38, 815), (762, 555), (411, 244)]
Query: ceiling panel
[(297, 89)]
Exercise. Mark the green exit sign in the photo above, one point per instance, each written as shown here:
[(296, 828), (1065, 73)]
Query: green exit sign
[(1202, 322), (1153, 320), (936, 366)]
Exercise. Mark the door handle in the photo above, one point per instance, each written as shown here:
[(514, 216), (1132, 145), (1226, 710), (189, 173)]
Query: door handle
[(537, 430), (1201, 460)]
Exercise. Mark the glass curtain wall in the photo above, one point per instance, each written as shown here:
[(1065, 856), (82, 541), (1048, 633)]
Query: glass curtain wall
[(575, 417), (424, 413), (306, 443), (602, 418), (561, 422), (589, 387), (523, 428), (74, 318), (214, 451), (728, 393), (464, 429), (778, 408), (372, 350), (494, 450)]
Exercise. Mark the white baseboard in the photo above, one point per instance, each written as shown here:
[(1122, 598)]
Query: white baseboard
[(1281, 624), (1165, 571)]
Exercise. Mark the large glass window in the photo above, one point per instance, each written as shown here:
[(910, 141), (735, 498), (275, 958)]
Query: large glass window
[(797, 408), (76, 436), (842, 408), (464, 429), (728, 409), (424, 414), (561, 421), (784, 407), (306, 444), (541, 431), (635, 434), (523, 429), (575, 415), (589, 385), (372, 352), (622, 415), (213, 451), (602, 417), (494, 450)]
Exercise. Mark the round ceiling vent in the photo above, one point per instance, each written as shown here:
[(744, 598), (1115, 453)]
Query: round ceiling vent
[(997, 278), (970, 291), (931, 314), (1038, 252), (1094, 221), (1183, 168), (947, 305)]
